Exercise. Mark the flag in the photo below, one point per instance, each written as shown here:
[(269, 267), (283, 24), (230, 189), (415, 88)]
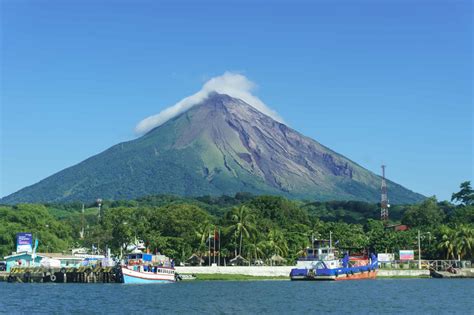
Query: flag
[(216, 234)]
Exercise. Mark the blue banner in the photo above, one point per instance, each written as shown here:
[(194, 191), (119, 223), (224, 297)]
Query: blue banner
[(24, 242)]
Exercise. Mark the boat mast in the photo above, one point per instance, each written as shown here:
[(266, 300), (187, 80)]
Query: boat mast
[(330, 240)]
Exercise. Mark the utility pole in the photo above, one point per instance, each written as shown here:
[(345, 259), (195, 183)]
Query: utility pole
[(99, 205), (81, 233), (419, 250), (384, 205)]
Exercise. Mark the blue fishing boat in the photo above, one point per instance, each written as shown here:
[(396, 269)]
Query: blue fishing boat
[(321, 263), (140, 268)]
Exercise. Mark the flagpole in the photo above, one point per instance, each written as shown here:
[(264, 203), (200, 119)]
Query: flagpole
[(214, 253), (219, 260)]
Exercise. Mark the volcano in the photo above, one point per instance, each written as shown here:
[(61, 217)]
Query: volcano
[(219, 146)]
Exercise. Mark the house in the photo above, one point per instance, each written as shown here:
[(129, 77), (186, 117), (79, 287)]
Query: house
[(25, 259)]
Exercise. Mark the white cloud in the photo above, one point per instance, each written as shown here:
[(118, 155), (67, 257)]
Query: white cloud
[(232, 84)]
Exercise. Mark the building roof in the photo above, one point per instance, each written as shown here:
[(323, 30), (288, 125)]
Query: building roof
[(277, 258), (47, 255), (238, 258)]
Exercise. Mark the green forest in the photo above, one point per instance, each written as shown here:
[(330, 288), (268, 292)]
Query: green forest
[(256, 227)]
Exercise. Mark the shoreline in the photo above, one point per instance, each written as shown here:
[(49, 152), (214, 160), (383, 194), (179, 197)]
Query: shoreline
[(279, 272), (234, 277), (263, 273)]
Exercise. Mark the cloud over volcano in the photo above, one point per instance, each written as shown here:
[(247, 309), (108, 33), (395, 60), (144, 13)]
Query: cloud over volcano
[(232, 84)]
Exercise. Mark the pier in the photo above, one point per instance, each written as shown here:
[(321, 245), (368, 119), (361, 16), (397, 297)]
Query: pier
[(63, 275)]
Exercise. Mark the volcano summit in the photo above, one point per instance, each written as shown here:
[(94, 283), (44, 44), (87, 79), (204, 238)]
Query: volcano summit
[(221, 145)]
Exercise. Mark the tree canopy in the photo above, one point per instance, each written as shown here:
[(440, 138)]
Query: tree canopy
[(256, 227)]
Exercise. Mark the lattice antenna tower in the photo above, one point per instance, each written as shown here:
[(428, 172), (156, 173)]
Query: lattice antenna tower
[(384, 205)]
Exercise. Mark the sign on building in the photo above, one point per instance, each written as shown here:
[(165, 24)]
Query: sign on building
[(24, 242), (385, 257), (407, 255)]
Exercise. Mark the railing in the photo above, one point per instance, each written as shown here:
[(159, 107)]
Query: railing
[(439, 265)]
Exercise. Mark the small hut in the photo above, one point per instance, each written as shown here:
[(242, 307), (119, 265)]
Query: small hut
[(195, 260), (239, 261), (277, 260)]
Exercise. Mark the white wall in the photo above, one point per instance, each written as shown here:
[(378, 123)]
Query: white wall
[(267, 271), (282, 271)]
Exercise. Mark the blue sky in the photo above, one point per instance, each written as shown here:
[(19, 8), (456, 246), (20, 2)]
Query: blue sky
[(377, 81)]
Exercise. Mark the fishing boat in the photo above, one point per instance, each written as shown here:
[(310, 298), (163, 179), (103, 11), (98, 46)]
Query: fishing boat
[(142, 268), (321, 263)]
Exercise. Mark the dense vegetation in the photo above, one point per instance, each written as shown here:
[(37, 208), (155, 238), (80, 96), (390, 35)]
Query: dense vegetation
[(257, 227)]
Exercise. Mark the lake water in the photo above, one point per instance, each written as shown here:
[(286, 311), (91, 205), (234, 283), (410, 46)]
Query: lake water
[(387, 296)]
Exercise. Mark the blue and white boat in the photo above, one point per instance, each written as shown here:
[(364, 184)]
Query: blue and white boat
[(321, 263), (142, 268)]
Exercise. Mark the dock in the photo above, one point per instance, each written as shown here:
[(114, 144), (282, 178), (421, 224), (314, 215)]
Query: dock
[(63, 275)]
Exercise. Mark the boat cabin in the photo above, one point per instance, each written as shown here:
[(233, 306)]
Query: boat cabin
[(322, 251), (148, 260)]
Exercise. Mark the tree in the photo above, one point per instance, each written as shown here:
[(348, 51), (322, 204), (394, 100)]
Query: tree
[(447, 243), (464, 241), (425, 214), (276, 242), (119, 222), (202, 233), (465, 196), (255, 248), (243, 223), (464, 214)]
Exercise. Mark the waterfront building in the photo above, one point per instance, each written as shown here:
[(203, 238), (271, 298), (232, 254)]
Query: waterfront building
[(25, 259)]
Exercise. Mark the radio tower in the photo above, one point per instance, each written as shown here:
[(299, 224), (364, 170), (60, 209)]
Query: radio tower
[(384, 201)]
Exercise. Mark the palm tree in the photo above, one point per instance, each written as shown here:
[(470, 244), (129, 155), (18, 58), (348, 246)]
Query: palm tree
[(255, 249), (464, 241), (243, 223), (277, 242), (202, 233), (447, 243)]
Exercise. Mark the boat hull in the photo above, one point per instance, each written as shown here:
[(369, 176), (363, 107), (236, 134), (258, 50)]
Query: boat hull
[(372, 274), (136, 277)]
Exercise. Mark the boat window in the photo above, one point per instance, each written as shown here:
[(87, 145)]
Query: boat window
[(319, 265)]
